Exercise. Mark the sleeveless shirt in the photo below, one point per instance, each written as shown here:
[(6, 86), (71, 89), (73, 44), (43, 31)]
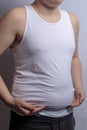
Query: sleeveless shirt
[(42, 63)]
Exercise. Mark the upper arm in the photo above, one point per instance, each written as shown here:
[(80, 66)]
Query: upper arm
[(9, 27), (75, 25)]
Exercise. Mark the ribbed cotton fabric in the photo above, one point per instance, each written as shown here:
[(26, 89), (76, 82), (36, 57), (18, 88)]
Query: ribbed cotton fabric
[(43, 63)]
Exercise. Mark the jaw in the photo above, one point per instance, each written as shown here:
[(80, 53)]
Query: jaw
[(50, 4)]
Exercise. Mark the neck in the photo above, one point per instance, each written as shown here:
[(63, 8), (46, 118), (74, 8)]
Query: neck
[(45, 10)]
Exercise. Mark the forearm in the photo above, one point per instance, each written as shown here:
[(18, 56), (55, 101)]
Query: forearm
[(4, 93), (18, 105), (76, 72)]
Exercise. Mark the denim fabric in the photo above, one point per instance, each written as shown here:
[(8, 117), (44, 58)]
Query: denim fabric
[(39, 122)]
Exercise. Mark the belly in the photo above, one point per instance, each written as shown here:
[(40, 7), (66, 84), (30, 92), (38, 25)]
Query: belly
[(57, 98)]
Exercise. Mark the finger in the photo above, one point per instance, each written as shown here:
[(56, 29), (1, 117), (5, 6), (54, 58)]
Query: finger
[(81, 97), (38, 108), (21, 111), (75, 103), (28, 106), (81, 100), (24, 111)]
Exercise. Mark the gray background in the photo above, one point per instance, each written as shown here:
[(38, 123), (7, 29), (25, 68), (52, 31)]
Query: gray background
[(79, 7)]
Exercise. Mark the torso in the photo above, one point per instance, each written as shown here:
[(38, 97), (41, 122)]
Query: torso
[(41, 62), (22, 22)]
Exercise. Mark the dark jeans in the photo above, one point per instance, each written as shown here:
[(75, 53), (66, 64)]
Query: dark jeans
[(38, 122)]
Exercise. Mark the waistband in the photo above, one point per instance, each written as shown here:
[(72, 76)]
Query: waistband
[(40, 118)]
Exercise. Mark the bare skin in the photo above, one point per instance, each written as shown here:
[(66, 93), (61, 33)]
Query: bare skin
[(76, 69), (11, 32)]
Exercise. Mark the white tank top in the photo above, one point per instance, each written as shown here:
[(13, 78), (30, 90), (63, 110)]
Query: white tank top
[(43, 63)]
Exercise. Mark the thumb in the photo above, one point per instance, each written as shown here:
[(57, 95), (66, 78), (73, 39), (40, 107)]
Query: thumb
[(28, 106)]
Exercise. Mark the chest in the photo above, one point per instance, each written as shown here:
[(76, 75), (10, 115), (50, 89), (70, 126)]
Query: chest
[(54, 38)]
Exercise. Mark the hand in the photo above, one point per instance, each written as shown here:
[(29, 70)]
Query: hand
[(79, 97), (24, 108)]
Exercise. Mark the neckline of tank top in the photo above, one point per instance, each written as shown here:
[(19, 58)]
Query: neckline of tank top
[(43, 20)]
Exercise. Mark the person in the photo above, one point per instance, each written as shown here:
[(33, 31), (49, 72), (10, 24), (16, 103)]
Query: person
[(47, 82)]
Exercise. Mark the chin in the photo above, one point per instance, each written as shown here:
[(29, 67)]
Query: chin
[(58, 1), (55, 3)]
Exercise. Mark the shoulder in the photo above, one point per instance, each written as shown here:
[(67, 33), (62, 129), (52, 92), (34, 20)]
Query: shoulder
[(13, 17), (14, 20), (74, 21), (15, 14)]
